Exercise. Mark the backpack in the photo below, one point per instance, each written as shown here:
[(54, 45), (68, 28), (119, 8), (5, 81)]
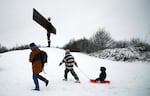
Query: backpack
[(44, 57)]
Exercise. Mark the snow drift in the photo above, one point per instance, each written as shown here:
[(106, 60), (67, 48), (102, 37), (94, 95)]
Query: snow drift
[(123, 54)]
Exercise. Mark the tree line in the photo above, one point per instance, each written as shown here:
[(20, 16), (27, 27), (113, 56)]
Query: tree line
[(5, 49), (99, 41), (102, 40)]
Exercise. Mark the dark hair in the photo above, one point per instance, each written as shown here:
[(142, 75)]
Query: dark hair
[(49, 19)]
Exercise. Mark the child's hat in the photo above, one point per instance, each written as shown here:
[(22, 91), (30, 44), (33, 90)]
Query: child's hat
[(102, 68), (33, 46), (67, 51)]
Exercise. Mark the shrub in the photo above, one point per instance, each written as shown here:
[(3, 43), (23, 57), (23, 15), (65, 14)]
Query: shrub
[(3, 49), (81, 45)]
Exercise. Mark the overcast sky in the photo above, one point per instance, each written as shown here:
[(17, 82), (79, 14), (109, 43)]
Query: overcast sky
[(73, 19)]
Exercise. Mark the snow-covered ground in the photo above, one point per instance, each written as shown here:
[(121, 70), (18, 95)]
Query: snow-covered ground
[(127, 79)]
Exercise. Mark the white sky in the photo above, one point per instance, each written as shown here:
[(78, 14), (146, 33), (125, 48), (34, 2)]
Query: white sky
[(73, 19)]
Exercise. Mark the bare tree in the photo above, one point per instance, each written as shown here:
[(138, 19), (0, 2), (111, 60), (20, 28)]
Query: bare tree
[(102, 40)]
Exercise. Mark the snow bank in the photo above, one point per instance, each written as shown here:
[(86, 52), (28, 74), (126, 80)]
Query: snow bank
[(123, 54)]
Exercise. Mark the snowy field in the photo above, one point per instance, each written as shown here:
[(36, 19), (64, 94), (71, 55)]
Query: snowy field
[(127, 79)]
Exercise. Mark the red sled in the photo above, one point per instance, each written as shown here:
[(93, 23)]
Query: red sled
[(102, 82)]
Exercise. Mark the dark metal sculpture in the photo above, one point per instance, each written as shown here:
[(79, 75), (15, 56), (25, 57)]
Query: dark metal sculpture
[(44, 23)]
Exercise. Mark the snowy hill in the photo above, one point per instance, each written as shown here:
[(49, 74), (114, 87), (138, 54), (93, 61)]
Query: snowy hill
[(127, 79)]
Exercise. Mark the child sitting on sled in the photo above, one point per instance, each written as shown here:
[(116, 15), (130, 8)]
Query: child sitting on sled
[(102, 75), (101, 78)]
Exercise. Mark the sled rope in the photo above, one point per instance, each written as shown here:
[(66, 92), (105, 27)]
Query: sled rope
[(83, 73)]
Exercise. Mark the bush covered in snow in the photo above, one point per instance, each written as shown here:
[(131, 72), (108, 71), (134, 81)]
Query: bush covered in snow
[(124, 54)]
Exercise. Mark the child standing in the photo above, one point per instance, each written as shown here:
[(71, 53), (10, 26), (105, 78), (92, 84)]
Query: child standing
[(69, 62)]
